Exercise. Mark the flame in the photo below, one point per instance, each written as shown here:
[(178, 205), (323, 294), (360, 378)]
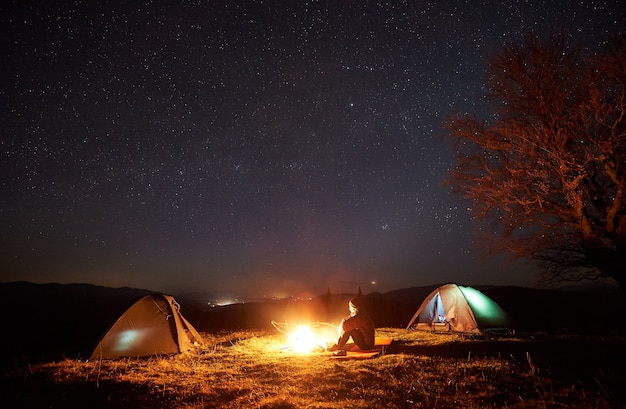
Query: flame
[(303, 340), (306, 337)]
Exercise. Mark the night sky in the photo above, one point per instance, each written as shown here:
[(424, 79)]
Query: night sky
[(268, 148)]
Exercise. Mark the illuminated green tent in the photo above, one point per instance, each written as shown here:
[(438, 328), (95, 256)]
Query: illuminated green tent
[(461, 309), (151, 326)]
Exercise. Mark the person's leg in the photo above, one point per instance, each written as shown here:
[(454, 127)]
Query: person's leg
[(341, 342), (359, 339)]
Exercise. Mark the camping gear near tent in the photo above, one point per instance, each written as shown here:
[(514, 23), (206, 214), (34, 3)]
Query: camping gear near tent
[(151, 326), (354, 352), (455, 308)]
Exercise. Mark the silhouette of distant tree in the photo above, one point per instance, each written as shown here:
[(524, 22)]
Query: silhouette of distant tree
[(545, 169)]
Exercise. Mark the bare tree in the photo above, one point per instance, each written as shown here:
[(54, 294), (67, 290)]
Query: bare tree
[(545, 171)]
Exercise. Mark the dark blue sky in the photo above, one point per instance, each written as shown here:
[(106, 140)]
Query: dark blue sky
[(261, 147)]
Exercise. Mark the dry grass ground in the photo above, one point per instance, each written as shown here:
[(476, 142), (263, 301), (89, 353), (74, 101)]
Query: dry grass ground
[(252, 369)]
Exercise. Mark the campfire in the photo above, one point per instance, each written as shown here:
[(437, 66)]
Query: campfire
[(307, 337)]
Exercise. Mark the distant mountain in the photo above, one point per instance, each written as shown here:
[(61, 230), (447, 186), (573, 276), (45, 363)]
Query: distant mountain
[(410, 295), (590, 287)]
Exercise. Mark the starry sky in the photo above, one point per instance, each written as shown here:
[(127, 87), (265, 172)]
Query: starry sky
[(265, 148)]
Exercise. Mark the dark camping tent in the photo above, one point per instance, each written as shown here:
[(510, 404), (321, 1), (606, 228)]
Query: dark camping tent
[(151, 326)]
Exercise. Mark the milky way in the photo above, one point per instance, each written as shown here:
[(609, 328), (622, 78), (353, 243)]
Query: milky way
[(267, 147)]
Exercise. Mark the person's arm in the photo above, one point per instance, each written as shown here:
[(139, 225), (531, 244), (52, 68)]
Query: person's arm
[(350, 323)]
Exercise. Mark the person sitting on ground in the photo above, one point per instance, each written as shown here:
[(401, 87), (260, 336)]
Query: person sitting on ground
[(358, 325)]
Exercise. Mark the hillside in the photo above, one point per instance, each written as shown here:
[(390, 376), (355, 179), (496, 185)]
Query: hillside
[(49, 321)]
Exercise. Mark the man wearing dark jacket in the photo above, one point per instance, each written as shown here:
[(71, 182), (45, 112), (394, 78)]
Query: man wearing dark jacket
[(358, 325)]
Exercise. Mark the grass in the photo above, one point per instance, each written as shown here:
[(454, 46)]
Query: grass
[(252, 369)]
